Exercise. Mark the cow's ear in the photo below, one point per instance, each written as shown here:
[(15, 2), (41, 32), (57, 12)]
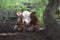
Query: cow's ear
[(18, 13)]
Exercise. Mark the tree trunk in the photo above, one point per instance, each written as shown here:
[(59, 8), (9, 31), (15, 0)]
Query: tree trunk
[(52, 26)]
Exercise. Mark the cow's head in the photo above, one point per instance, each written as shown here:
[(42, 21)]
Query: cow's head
[(26, 17)]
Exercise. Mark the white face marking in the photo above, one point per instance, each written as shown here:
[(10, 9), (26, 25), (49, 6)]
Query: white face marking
[(26, 16)]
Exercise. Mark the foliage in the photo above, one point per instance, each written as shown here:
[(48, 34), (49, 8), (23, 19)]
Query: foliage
[(16, 5), (40, 15), (57, 17), (59, 8)]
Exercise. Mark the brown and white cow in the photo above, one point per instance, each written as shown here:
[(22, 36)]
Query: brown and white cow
[(28, 21)]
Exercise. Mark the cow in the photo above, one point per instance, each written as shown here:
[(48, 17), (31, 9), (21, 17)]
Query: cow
[(28, 21)]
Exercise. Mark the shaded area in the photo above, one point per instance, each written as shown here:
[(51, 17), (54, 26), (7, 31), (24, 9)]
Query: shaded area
[(51, 24), (25, 36)]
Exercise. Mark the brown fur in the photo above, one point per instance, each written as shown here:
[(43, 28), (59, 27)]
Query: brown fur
[(34, 21), (33, 25)]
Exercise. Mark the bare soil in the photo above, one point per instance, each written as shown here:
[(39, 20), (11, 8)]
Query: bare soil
[(24, 36)]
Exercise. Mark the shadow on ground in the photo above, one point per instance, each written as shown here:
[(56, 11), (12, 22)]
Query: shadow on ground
[(24, 36)]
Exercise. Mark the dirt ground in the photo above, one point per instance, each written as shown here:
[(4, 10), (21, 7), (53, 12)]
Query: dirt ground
[(23, 36)]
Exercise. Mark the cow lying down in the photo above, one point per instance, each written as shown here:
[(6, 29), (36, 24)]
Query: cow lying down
[(27, 21)]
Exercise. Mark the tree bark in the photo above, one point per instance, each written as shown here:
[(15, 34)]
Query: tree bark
[(52, 26)]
